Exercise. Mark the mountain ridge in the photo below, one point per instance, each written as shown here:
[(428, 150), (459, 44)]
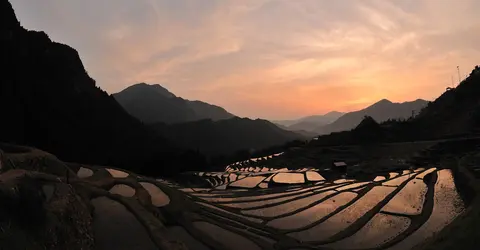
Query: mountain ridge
[(454, 114), (380, 111), (225, 137), (53, 104), (152, 103), (207, 128), (308, 123)]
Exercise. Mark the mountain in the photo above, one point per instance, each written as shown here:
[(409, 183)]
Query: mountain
[(380, 111), (305, 126), (226, 136), (309, 123), (285, 123), (205, 110), (50, 102), (199, 125), (154, 103), (326, 118), (455, 112)]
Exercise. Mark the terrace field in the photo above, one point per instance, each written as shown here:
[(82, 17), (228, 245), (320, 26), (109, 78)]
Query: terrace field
[(393, 196)]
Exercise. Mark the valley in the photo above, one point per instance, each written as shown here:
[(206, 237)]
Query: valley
[(143, 168)]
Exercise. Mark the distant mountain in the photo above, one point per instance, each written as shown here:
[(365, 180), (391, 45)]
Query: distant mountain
[(226, 136), (326, 118), (309, 123), (455, 114), (50, 102), (154, 103), (285, 123), (305, 126), (380, 111)]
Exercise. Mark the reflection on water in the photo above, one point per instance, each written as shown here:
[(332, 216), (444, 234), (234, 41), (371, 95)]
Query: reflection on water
[(117, 173), (248, 182), (123, 190), (346, 217), (158, 197), (314, 176), (409, 200), (289, 178), (313, 214), (288, 207), (447, 205), (380, 229), (333, 213), (396, 181)]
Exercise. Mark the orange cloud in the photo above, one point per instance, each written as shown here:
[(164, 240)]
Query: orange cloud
[(269, 58)]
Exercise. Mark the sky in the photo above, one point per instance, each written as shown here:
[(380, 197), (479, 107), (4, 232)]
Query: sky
[(274, 59)]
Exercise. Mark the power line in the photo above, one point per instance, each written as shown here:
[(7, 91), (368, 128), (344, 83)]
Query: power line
[(458, 71)]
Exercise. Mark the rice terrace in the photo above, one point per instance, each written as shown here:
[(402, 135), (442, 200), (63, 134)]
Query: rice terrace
[(239, 125), (400, 204)]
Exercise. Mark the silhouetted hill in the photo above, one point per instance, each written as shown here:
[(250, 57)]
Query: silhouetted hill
[(380, 111), (153, 103), (310, 123), (455, 112), (368, 131), (49, 101), (227, 136)]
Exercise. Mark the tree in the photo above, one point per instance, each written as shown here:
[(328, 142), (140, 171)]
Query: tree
[(368, 131)]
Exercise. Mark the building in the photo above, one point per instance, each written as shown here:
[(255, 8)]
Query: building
[(340, 166)]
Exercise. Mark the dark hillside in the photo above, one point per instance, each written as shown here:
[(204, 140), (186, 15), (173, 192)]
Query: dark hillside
[(455, 112), (49, 101), (226, 137)]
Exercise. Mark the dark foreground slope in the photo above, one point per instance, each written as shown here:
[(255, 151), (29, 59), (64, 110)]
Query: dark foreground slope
[(225, 137), (48, 204), (49, 101)]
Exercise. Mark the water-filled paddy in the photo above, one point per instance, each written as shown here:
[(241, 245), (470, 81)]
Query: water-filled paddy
[(336, 213)]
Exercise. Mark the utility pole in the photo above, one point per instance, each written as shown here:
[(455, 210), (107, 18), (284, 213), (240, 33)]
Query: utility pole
[(453, 85), (458, 71)]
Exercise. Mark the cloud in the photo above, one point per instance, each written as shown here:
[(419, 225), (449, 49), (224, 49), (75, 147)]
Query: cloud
[(269, 58)]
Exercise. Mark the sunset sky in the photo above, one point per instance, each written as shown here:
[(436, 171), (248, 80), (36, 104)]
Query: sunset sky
[(274, 59)]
